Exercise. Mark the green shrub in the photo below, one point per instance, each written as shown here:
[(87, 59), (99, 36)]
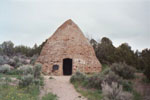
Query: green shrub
[(37, 70), (36, 81), (16, 62), (112, 77), (123, 70), (11, 62), (49, 96), (146, 80), (13, 72), (147, 72), (2, 60), (39, 81), (33, 59), (105, 71), (5, 81), (30, 75), (95, 81), (127, 86), (5, 68), (108, 76), (138, 96), (26, 69), (78, 77), (114, 92), (26, 80), (12, 92)]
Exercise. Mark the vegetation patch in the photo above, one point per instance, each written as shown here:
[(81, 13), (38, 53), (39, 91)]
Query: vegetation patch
[(123, 70), (28, 81), (15, 93), (106, 85), (137, 96), (91, 94), (49, 96)]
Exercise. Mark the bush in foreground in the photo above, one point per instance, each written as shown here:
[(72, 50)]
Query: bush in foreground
[(26, 80), (95, 81), (111, 77), (78, 77), (30, 75), (115, 92)]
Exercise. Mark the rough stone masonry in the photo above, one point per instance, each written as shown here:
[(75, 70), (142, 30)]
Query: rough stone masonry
[(68, 51)]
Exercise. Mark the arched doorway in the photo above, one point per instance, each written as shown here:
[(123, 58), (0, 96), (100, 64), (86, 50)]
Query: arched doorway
[(67, 66)]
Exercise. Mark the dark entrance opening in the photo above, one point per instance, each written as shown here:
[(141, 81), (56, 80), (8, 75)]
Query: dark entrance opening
[(67, 66)]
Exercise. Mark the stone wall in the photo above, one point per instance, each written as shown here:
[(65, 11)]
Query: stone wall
[(68, 42)]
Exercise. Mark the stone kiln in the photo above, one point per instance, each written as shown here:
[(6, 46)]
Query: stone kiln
[(68, 51)]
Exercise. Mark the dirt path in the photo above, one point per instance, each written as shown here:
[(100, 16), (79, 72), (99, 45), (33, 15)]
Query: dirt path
[(61, 86)]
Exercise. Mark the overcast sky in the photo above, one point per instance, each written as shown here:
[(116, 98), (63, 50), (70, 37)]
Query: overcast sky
[(32, 21)]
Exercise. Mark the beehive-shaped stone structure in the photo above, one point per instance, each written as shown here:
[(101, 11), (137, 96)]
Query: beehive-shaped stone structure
[(68, 51)]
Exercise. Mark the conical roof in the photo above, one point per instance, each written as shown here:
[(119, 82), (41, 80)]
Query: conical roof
[(70, 30), (68, 41)]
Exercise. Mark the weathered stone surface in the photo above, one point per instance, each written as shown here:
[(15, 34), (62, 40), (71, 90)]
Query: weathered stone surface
[(68, 42)]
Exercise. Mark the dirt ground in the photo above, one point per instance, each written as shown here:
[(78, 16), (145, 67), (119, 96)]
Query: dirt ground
[(60, 86)]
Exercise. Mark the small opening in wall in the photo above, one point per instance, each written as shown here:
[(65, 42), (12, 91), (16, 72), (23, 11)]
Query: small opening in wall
[(55, 67)]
